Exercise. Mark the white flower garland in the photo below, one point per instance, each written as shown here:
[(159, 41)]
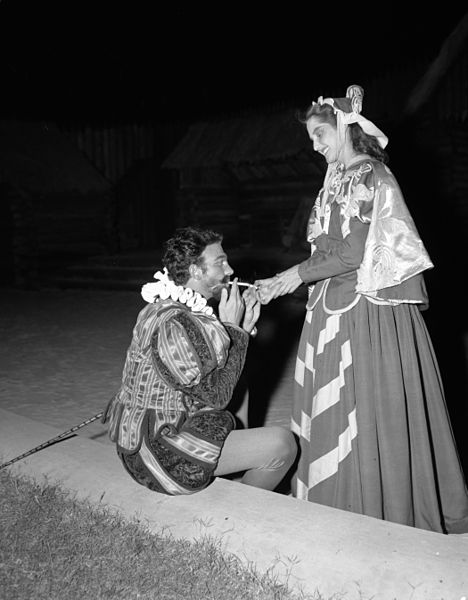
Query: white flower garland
[(165, 288)]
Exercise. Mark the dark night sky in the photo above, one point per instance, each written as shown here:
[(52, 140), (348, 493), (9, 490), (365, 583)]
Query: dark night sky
[(105, 61)]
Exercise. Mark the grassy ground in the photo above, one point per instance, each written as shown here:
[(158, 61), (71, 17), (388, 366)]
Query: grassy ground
[(54, 547)]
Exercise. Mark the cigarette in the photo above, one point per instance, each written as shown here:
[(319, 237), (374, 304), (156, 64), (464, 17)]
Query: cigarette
[(239, 283), (242, 284)]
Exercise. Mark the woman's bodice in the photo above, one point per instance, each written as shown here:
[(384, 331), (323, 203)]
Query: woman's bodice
[(361, 234)]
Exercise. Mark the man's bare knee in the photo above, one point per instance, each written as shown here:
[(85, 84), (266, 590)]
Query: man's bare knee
[(285, 444)]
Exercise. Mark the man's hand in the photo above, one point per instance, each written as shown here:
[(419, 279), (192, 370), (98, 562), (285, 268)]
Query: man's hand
[(231, 306), (252, 309)]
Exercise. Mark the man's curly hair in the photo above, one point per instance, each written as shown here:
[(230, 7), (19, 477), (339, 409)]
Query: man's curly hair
[(185, 248)]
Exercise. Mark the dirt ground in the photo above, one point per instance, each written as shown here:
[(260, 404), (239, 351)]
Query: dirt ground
[(62, 353)]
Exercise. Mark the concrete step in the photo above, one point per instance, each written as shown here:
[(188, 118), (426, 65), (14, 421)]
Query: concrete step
[(310, 547)]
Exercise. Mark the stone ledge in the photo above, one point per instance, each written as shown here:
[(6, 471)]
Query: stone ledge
[(309, 546)]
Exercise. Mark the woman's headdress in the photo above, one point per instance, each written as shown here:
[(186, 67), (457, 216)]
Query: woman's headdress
[(348, 110)]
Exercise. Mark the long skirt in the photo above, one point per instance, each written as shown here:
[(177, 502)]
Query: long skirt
[(373, 425)]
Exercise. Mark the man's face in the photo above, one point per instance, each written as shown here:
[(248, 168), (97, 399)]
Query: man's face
[(215, 271)]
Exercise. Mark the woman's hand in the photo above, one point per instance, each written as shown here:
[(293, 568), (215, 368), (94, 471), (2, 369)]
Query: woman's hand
[(283, 283), (264, 289), (287, 282), (252, 309), (231, 305)]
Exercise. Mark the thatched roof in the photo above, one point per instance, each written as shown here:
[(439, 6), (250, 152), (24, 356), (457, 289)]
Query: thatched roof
[(36, 157), (251, 139)]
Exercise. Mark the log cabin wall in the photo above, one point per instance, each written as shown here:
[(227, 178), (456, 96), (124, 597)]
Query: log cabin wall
[(52, 231), (252, 205), (246, 176), (72, 225), (58, 207), (129, 156), (270, 208), (208, 198), (276, 198)]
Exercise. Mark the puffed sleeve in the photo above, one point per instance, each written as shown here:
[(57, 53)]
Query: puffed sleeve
[(200, 357), (178, 355)]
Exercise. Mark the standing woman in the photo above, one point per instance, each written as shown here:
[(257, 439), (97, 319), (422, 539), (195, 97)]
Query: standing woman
[(369, 405)]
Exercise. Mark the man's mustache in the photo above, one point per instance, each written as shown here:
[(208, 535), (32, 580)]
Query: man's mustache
[(222, 284)]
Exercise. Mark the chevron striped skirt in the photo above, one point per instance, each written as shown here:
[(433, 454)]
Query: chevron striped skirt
[(370, 414)]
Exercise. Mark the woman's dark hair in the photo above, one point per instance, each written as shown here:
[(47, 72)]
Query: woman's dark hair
[(362, 142), (185, 248)]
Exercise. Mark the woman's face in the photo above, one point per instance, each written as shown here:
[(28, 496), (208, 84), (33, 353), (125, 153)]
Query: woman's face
[(324, 137)]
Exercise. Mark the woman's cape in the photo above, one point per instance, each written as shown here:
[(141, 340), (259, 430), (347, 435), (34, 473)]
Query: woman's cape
[(394, 252)]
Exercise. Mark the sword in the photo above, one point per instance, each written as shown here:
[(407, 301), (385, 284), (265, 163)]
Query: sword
[(65, 434)]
